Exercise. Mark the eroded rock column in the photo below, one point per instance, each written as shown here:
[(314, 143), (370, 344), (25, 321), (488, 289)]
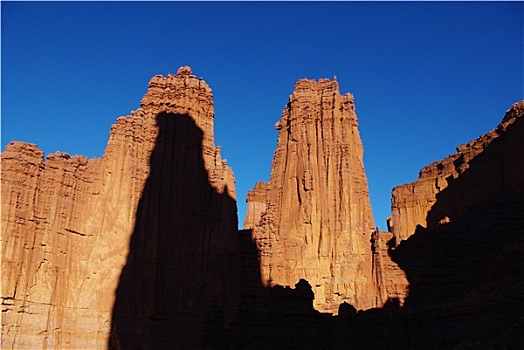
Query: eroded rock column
[(318, 221)]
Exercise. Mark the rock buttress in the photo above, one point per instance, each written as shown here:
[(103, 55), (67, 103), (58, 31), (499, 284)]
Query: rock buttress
[(486, 168), (318, 221), (71, 227)]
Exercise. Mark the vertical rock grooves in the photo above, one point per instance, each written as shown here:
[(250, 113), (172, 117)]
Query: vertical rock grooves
[(318, 222), (140, 248), (74, 230)]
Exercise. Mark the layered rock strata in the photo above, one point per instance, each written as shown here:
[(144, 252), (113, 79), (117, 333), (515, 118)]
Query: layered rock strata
[(89, 247), (487, 168), (318, 222)]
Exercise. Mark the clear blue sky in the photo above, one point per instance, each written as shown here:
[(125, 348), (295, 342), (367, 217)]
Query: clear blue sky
[(427, 76)]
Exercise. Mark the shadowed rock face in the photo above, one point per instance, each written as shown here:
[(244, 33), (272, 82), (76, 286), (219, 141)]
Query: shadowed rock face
[(140, 248), (318, 221), (70, 225), (465, 292), (492, 166), (179, 280), (456, 284)]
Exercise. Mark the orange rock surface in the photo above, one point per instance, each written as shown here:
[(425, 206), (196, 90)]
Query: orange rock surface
[(256, 205), (68, 222), (140, 248), (390, 280), (454, 285), (489, 167), (318, 222)]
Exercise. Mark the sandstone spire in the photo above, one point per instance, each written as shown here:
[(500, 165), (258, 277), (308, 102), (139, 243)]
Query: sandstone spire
[(318, 221), (75, 231)]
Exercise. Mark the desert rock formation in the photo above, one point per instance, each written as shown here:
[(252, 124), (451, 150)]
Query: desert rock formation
[(140, 248), (455, 285), (318, 222), (71, 225), (490, 167), (391, 284), (256, 205)]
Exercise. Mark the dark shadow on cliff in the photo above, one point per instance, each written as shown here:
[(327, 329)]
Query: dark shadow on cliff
[(179, 280), (466, 279), (495, 174), (278, 317), (466, 276), (192, 281)]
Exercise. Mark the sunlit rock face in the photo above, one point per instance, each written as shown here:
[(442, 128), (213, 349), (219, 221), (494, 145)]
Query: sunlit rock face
[(73, 229), (256, 205), (318, 222), (454, 285), (140, 248), (490, 167)]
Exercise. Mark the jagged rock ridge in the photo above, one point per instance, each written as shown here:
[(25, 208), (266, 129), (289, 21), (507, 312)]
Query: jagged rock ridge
[(487, 168)]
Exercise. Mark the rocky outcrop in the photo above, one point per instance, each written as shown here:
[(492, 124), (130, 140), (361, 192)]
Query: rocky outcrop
[(487, 168), (140, 248), (89, 244), (318, 222), (466, 288), (256, 205), (390, 280), (455, 285), (52, 294)]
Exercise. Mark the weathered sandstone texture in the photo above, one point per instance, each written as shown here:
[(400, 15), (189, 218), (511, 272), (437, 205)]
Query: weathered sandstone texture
[(140, 248), (256, 205), (89, 246), (318, 222), (466, 284), (390, 280), (490, 167)]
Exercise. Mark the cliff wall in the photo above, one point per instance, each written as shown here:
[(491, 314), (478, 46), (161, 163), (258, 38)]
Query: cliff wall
[(73, 228), (487, 168), (140, 248), (455, 285)]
